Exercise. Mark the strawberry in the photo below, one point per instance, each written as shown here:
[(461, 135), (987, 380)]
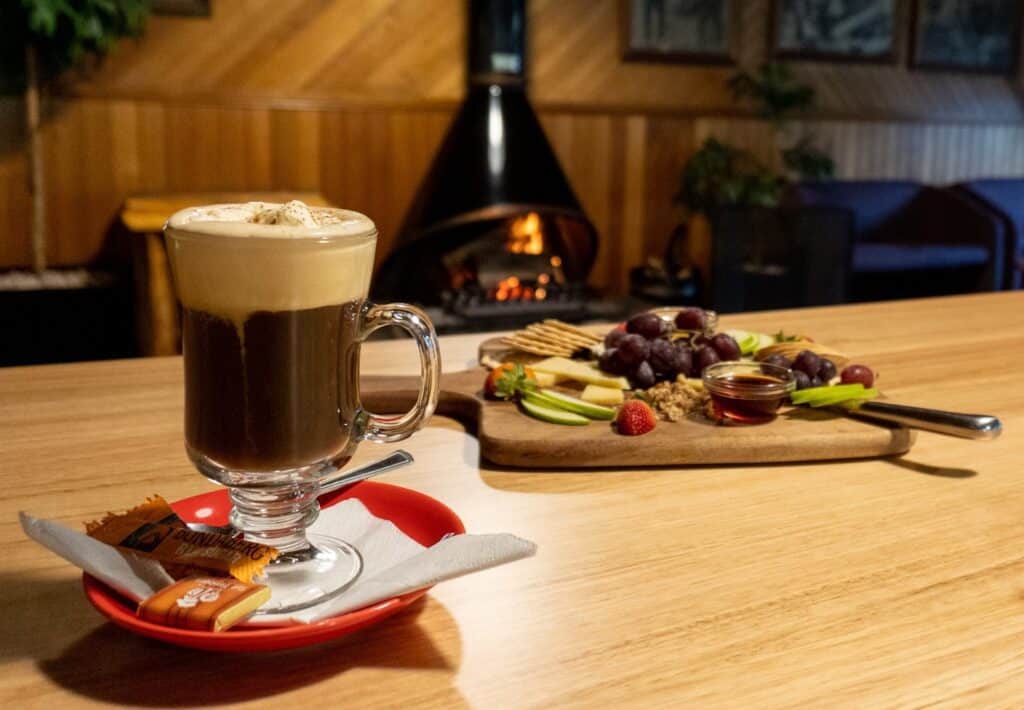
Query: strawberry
[(635, 417), (508, 380)]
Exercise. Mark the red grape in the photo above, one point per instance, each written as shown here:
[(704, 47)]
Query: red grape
[(807, 361), (779, 359), (644, 375), (613, 338), (648, 325), (663, 357), (633, 349), (827, 370), (610, 362), (683, 358), (852, 374), (699, 339), (726, 346), (691, 319), (801, 379), (705, 356)]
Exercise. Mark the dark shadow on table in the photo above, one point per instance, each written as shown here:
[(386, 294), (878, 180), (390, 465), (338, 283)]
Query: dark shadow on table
[(591, 480), (112, 665), (41, 615), (929, 470)]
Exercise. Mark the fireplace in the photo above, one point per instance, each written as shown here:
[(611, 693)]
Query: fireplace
[(495, 236)]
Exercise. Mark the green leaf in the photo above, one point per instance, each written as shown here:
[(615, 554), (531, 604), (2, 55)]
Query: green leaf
[(808, 162), (719, 174), (774, 91), (62, 33), (514, 383), (42, 17)]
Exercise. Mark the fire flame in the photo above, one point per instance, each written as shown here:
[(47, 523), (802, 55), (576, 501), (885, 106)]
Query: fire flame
[(525, 235), (512, 289)]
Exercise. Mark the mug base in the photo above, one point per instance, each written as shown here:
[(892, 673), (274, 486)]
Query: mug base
[(304, 578)]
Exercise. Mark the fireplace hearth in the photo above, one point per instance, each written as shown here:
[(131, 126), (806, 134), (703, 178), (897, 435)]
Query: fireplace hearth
[(495, 236)]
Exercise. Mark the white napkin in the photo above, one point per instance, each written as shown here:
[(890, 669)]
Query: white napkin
[(393, 563)]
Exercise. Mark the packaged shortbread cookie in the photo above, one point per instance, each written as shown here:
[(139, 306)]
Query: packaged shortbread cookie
[(153, 530)]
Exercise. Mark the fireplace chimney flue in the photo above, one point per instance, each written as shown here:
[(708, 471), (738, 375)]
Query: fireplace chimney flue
[(494, 168), (497, 42)]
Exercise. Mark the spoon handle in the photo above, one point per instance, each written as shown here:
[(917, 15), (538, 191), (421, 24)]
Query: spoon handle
[(346, 478), (968, 426)]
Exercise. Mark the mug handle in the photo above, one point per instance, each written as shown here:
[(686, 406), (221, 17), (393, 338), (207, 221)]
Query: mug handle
[(415, 322)]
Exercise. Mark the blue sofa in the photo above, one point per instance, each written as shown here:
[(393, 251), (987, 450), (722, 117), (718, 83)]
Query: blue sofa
[(913, 240), (1004, 199)]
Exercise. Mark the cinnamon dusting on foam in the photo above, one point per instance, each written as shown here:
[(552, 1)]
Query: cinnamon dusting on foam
[(232, 260), (292, 220)]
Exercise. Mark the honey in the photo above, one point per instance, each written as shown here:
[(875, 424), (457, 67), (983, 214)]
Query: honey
[(747, 393)]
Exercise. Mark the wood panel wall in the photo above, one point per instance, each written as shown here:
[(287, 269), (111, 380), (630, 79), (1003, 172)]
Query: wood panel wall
[(624, 167), (352, 97), (412, 51)]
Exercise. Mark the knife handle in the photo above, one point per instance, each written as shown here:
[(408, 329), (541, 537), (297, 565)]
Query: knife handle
[(968, 426)]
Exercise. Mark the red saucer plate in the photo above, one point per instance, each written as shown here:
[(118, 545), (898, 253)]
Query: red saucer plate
[(421, 517)]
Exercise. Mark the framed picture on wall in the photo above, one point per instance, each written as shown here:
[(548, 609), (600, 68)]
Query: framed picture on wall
[(967, 35), (677, 30), (181, 7), (836, 30)]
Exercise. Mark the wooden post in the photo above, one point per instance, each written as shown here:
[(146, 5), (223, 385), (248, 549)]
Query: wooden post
[(35, 156)]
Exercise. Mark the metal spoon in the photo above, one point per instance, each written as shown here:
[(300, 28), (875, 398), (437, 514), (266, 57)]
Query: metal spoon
[(339, 480)]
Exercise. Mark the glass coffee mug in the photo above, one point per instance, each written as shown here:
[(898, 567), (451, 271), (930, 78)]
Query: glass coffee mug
[(274, 311)]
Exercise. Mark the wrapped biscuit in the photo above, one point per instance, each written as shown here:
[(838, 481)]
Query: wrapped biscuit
[(204, 603), (154, 510), (153, 530)]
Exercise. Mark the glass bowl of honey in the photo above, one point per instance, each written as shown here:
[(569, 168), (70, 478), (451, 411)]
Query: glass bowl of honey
[(748, 392)]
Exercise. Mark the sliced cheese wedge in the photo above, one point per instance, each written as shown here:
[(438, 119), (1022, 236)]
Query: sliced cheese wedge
[(580, 372), (608, 396), (546, 379)]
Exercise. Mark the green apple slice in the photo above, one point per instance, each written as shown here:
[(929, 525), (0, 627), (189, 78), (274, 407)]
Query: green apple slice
[(766, 341), (749, 344), (538, 410), (811, 395), (840, 398), (749, 341), (573, 404)]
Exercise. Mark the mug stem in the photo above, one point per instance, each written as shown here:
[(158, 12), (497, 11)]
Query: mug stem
[(276, 516)]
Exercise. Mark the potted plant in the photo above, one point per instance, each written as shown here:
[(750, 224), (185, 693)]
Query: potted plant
[(720, 175), (39, 41)]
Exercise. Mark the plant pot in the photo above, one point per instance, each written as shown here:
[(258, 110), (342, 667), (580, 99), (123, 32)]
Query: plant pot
[(52, 323)]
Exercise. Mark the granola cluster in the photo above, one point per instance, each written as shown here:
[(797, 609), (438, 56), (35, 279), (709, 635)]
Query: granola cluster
[(675, 401)]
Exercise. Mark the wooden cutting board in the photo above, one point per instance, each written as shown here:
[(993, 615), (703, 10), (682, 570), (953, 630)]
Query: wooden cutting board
[(510, 438)]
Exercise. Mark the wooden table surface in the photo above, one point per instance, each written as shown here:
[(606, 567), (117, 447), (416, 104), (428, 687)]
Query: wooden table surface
[(859, 583)]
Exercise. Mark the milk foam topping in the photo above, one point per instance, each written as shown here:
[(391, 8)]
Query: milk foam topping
[(293, 220), (234, 259)]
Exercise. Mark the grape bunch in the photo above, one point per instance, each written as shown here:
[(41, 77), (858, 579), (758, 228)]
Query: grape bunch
[(812, 370), (645, 354)]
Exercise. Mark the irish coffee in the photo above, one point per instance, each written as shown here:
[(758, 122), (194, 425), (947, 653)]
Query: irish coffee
[(272, 299), (274, 308)]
